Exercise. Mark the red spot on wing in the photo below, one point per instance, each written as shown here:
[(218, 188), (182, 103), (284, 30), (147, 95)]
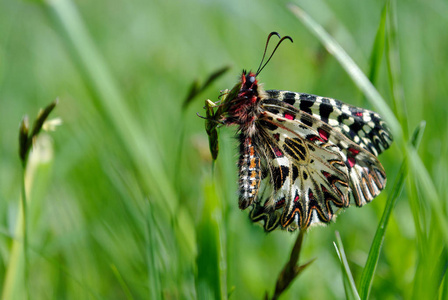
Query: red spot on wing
[(296, 198), (289, 116), (353, 151), (310, 195), (277, 152), (358, 114), (326, 174), (351, 161), (323, 134), (315, 137), (280, 203)]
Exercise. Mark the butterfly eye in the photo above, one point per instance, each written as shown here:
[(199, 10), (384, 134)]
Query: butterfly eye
[(252, 79)]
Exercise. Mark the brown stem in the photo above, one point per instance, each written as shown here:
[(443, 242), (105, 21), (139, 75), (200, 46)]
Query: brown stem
[(291, 270)]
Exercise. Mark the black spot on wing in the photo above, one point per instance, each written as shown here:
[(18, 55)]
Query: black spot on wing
[(306, 102), (295, 173), (306, 121), (279, 175), (289, 98), (356, 126), (325, 109), (273, 110), (307, 97), (267, 125), (343, 117)]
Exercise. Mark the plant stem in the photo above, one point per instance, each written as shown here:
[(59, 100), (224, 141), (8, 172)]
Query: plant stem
[(25, 232), (291, 270)]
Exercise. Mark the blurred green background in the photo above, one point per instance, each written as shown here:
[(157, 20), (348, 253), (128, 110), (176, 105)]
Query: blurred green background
[(123, 202)]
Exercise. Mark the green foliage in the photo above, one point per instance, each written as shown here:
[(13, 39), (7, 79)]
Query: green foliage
[(123, 202), (349, 283)]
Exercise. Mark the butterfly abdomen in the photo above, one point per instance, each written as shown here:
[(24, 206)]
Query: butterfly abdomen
[(249, 172)]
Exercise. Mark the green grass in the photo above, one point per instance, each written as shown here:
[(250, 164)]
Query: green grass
[(123, 199)]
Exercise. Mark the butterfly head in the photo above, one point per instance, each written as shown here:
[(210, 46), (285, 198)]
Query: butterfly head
[(248, 81)]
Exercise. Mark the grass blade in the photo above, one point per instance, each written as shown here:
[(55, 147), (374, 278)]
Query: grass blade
[(196, 89), (105, 92), (122, 282), (210, 260), (349, 284), (378, 46), (152, 253), (374, 253), (393, 65), (444, 292), (426, 186)]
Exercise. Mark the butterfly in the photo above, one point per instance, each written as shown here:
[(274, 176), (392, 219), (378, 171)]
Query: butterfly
[(302, 158)]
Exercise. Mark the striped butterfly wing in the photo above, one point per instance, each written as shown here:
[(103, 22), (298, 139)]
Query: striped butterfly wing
[(367, 176), (315, 168), (362, 126)]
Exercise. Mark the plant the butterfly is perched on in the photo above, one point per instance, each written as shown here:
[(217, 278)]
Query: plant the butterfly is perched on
[(303, 158)]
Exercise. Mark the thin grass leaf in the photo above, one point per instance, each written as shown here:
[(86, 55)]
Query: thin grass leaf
[(214, 76), (192, 93), (393, 65), (443, 266), (210, 260), (444, 292), (196, 88), (374, 253), (417, 209), (368, 273), (352, 70), (378, 46), (152, 253), (426, 185), (430, 221), (105, 92), (123, 284), (349, 283)]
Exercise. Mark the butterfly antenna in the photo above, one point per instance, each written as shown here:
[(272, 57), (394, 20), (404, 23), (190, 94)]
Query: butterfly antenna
[(272, 54), (266, 47)]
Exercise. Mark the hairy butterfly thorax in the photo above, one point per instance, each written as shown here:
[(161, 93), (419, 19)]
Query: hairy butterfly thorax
[(244, 109), (303, 158)]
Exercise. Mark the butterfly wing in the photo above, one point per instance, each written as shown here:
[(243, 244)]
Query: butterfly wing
[(362, 126), (309, 177), (367, 176), (314, 168)]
